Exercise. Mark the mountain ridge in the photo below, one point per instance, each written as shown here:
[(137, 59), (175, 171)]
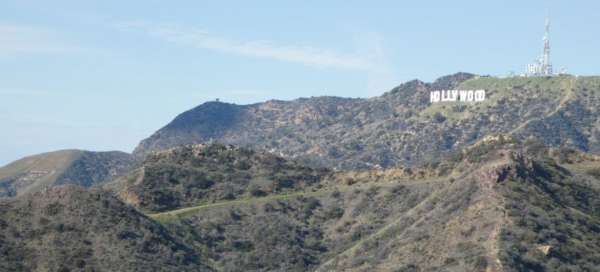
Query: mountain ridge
[(69, 166), (499, 185), (399, 127), (479, 216), (497, 205)]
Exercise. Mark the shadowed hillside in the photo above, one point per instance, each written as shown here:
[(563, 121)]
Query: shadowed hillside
[(72, 229)]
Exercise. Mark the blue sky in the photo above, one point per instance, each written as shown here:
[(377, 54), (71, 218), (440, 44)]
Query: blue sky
[(102, 75)]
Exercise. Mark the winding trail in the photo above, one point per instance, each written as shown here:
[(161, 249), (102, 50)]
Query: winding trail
[(183, 212), (563, 101)]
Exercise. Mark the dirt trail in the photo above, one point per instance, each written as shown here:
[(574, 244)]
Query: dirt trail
[(180, 213), (563, 101)]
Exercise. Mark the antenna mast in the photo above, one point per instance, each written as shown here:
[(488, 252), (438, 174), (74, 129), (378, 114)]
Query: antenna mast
[(546, 66), (542, 66)]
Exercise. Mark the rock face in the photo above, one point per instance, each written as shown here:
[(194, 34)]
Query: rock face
[(84, 168), (400, 127), (72, 229)]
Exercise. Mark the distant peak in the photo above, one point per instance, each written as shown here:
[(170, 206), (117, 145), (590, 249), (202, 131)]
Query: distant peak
[(217, 103), (451, 81), (441, 83)]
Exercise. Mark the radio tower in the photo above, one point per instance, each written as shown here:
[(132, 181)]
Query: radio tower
[(542, 66), (546, 66)]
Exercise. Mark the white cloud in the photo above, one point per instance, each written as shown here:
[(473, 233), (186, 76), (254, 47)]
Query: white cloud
[(28, 39), (199, 38), (369, 57)]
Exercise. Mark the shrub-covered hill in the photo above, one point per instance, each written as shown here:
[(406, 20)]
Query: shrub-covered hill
[(498, 205), (503, 206), (68, 228), (510, 212), (84, 168), (554, 216), (400, 127), (193, 174)]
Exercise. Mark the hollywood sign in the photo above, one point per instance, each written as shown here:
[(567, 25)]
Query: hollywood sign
[(457, 95)]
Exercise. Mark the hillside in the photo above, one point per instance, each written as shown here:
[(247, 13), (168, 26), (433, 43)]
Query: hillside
[(400, 127), (508, 184), (72, 229), (512, 212), (499, 205), (193, 174), (79, 167)]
